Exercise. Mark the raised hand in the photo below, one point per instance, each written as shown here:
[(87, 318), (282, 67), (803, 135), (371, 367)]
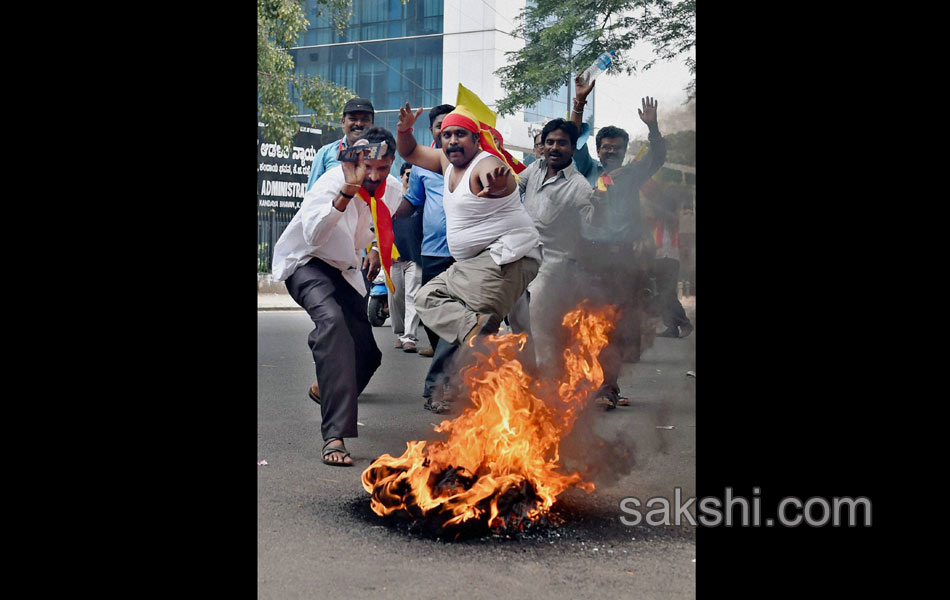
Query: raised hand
[(648, 112), (406, 118), (582, 90), (355, 172), (494, 181)]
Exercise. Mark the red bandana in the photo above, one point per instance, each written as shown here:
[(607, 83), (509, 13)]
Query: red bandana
[(383, 225), (460, 118)]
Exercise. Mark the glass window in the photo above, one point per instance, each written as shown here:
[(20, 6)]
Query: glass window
[(388, 73), (377, 19)]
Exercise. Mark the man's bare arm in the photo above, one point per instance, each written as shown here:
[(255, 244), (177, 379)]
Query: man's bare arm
[(581, 91), (405, 209), (492, 178), (410, 151)]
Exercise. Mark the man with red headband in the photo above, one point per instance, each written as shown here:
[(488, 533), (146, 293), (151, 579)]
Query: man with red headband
[(492, 238)]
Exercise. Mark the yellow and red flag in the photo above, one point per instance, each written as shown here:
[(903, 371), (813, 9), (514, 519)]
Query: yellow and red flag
[(485, 118)]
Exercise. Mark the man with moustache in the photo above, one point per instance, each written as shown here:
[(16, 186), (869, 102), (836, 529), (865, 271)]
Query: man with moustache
[(318, 256), (558, 198), (492, 238), (358, 115), (426, 190), (615, 253)]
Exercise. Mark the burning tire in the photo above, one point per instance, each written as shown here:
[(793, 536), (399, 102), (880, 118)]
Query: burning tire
[(499, 466)]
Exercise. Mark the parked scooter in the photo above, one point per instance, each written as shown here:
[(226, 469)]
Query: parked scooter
[(377, 309)]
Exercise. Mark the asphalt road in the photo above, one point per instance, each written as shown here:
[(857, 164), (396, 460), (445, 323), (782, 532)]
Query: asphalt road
[(317, 537)]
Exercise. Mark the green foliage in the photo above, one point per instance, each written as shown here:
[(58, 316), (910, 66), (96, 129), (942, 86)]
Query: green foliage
[(565, 36), (279, 25), (681, 148)]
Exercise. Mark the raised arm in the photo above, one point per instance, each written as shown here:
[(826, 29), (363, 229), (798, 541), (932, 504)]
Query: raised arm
[(409, 150), (581, 91), (582, 158), (636, 173), (323, 204)]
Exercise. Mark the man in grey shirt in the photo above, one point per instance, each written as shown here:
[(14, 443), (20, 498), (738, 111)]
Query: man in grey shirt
[(558, 199)]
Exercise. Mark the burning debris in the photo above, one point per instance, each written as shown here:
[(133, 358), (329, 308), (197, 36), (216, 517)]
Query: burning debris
[(499, 466)]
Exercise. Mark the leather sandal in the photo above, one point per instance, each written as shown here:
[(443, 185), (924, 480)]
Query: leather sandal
[(609, 399), (314, 397), (436, 406), (327, 451)]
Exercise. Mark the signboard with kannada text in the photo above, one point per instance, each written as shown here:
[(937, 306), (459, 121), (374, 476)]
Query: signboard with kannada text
[(282, 173)]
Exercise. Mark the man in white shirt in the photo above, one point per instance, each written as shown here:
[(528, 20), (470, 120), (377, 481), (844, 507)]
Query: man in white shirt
[(318, 256), (492, 238)]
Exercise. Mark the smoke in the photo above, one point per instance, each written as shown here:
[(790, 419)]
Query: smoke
[(679, 118), (602, 458), (602, 455)]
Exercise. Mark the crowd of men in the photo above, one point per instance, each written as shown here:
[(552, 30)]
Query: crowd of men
[(472, 245)]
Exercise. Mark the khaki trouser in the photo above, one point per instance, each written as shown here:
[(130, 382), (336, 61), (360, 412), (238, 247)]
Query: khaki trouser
[(403, 319), (450, 303)]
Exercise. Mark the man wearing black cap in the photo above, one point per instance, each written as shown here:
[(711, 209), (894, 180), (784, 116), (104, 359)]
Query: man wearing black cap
[(358, 116)]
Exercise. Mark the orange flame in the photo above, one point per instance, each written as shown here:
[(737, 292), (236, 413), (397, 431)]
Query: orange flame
[(499, 462)]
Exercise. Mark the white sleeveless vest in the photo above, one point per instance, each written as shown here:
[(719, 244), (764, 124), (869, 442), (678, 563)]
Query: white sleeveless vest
[(473, 224)]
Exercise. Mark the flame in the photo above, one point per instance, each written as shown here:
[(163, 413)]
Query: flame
[(499, 461)]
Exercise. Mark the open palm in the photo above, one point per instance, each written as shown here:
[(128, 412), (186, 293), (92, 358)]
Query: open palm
[(648, 111)]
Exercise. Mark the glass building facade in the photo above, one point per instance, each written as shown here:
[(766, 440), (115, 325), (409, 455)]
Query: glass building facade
[(551, 106), (390, 53)]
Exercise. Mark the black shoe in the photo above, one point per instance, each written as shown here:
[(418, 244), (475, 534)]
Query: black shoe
[(672, 332)]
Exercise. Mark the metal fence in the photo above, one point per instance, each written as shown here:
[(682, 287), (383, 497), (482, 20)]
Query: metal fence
[(270, 224)]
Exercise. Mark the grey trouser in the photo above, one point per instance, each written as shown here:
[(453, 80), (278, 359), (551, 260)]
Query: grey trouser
[(403, 318), (519, 317), (450, 303), (552, 294), (344, 350)]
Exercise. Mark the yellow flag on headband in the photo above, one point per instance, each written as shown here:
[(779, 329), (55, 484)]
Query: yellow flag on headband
[(474, 104), (471, 106)]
